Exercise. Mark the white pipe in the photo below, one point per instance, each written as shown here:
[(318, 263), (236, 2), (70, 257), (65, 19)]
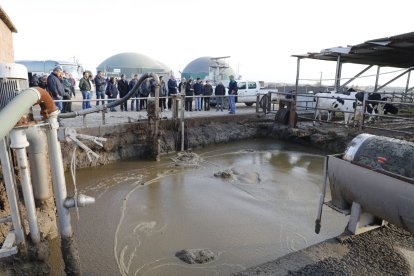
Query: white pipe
[(9, 181), (16, 108), (39, 168), (19, 143), (58, 176)]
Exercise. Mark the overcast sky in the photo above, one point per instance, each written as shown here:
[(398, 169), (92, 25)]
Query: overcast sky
[(260, 36)]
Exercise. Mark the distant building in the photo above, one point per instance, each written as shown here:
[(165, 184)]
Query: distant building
[(208, 67), (6, 38), (131, 64)]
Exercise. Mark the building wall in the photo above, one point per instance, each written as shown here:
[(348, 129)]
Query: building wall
[(6, 44)]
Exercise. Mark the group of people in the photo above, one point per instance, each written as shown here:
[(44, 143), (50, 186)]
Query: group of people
[(202, 93), (61, 86)]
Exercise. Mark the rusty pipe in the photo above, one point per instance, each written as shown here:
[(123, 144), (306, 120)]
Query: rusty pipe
[(20, 105), (46, 103), (114, 103)]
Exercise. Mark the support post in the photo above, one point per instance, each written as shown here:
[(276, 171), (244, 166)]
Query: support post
[(338, 74), (182, 121), (377, 78), (292, 113), (157, 145), (407, 85)]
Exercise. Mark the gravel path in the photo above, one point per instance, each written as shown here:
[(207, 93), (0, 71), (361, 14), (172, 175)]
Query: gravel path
[(384, 251)]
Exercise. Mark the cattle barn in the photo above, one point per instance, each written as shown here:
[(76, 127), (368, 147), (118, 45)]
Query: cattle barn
[(395, 51)]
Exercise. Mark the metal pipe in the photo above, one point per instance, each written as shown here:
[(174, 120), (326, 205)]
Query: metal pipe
[(39, 168), (393, 79), (113, 103), (9, 181), (19, 144), (58, 176)]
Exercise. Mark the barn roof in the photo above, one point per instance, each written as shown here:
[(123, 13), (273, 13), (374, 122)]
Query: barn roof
[(394, 51), (6, 19)]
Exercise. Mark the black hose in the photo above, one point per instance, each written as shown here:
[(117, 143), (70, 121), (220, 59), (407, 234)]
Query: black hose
[(114, 103)]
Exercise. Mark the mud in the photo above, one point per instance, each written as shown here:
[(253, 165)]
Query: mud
[(195, 256), (384, 251)]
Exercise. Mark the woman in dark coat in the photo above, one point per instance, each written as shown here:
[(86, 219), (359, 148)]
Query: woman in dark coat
[(112, 91)]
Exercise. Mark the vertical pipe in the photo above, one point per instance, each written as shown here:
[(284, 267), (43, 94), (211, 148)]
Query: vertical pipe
[(39, 168), (68, 246), (377, 78), (58, 177), (9, 181), (19, 144), (292, 112), (182, 121), (157, 137)]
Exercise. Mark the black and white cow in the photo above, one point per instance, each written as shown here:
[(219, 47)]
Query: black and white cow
[(376, 105)]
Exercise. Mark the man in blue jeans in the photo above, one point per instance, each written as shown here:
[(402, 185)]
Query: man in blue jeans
[(55, 85), (232, 94), (100, 84), (85, 88)]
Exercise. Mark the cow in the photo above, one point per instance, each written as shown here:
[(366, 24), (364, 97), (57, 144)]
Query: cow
[(323, 103), (349, 105), (376, 105)]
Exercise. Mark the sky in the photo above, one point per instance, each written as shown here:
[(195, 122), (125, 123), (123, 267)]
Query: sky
[(260, 36)]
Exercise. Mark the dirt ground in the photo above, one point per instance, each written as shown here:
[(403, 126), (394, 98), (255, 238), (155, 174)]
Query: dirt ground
[(384, 251)]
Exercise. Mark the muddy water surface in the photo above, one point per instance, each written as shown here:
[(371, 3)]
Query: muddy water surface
[(147, 211)]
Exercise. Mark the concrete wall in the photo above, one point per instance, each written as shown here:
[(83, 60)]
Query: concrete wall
[(6, 44)]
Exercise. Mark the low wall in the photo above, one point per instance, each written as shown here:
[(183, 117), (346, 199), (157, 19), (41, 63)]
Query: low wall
[(129, 141)]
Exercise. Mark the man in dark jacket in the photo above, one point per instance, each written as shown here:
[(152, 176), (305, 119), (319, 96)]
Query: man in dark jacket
[(220, 91), (123, 90), (172, 90), (112, 91), (189, 93), (55, 85), (100, 84), (208, 91)]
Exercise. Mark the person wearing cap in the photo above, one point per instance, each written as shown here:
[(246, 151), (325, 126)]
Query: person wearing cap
[(55, 85), (85, 88), (232, 95)]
